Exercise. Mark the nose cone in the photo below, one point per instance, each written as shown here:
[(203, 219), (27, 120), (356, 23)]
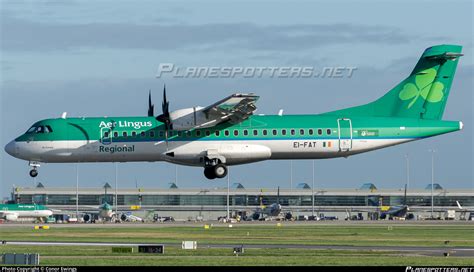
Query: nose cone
[(10, 148)]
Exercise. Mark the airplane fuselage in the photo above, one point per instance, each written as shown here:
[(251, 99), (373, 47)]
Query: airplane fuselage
[(14, 211), (272, 137)]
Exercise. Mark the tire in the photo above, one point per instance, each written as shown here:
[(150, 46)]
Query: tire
[(33, 173), (209, 173), (220, 171)]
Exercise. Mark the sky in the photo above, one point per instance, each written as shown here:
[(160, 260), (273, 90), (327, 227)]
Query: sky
[(100, 58)]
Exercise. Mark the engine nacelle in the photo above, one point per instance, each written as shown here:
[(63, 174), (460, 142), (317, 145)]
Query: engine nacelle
[(87, 217), (189, 118), (11, 217)]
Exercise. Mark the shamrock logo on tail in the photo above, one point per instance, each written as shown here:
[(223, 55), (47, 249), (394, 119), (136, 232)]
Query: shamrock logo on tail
[(423, 84)]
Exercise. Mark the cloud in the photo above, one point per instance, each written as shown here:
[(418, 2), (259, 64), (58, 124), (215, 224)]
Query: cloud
[(25, 35)]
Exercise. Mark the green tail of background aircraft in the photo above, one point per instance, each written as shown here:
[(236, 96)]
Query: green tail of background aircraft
[(227, 133)]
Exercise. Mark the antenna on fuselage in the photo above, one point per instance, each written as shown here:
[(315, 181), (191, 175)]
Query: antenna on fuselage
[(64, 115), (280, 112)]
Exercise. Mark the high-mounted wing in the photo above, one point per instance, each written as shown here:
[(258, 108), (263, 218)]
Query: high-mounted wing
[(235, 108)]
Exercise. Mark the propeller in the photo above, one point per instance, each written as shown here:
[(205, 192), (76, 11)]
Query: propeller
[(151, 107), (165, 116)]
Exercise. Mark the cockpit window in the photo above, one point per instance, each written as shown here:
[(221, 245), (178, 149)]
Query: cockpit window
[(40, 129), (31, 130)]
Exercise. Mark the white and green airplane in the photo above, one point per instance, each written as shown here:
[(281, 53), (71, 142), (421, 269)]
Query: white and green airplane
[(228, 133), (14, 212)]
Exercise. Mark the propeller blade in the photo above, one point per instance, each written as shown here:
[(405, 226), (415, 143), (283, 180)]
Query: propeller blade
[(165, 116), (165, 104), (151, 107)]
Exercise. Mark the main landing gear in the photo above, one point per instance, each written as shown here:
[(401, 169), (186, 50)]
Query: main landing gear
[(34, 171), (216, 171)]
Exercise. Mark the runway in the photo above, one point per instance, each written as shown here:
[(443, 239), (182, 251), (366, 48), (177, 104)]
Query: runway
[(428, 251)]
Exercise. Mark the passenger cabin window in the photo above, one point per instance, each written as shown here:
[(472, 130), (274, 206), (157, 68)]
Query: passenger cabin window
[(255, 132), (217, 132), (274, 132), (236, 133), (301, 131), (180, 133), (292, 132), (310, 131), (152, 134), (142, 134), (246, 132), (124, 134), (264, 132), (226, 132), (106, 134), (198, 133), (115, 134), (208, 133), (328, 131), (161, 133), (320, 131), (134, 134), (188, 133), (283, 132)]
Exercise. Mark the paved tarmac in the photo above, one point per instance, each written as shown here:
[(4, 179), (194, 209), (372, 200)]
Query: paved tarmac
[(431, 251), (216, 223)]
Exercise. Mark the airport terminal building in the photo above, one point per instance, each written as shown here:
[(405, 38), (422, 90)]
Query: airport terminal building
[(211, 203)]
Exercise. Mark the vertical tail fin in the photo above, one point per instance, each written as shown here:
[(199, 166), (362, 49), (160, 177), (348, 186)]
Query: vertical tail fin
[(423, 94)]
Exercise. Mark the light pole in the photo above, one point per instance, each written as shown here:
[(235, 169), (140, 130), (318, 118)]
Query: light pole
[(291, 175), (432, 180), (77, 191), (312, 194), (116, 178), (228, 192), (408, 170), (176, 175)]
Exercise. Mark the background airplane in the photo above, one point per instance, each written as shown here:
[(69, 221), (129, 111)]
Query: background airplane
[(16, 212), (397, 211), (104, 213), (272, 211), (228, 133)]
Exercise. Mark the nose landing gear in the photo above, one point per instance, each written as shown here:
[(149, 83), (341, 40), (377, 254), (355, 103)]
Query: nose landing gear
[(34, 171)]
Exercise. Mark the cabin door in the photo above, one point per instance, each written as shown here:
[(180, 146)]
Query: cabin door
[(344, 130), (106, 135)]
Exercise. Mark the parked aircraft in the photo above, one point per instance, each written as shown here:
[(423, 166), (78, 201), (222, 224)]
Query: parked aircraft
[(15, 212)]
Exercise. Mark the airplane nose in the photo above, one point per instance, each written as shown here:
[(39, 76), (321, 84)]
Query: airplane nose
[(10, 148)]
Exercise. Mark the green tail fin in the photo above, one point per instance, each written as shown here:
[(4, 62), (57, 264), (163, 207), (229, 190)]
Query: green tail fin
[(423, 94)]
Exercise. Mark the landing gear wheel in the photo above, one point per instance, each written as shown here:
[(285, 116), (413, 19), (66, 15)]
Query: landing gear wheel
[(33, 173), (220, 171), (209, 173)]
